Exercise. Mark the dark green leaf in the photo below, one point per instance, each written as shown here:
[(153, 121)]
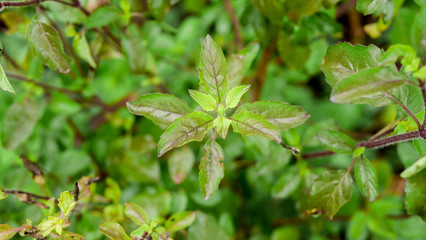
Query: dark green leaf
[(336, 141), (366, 178), (180, 164), (293, 54), (298, 9), (136, 213), (211, 169), (358, 227), (4, 82), (179, 221), (158, 8), (370, 6), (418, 32), (113, 231)]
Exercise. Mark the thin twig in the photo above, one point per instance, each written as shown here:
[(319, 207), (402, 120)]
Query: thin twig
[(235, 23), (408, 111)]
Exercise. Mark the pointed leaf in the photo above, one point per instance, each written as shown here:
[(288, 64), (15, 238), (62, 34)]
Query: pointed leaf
[(336, 141), (162, 109), (417, 167), (222, 125), (213, 70), (4, 82), (136, 213), (66, 203), (191, 127), (7, 232), (205, 100), (179, 221), (113, 231), (47, 46), (180, 164), (366, 178), (415, 198), (330, 191), (83, 50), (235, 94), (211, 169)]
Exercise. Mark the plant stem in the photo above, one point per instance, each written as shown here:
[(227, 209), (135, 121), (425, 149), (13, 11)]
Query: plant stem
[(235, 23), (423, 89), (408, 111)]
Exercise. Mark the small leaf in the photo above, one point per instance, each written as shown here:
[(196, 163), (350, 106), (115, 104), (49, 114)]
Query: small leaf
[(406, 53), (191, 127), (221, 124), (179, 221), (330, 191), (366, 178), (211, 169), (113, 231), (83, 50), (213, 70), (336, 141), (4, 82), (414, 169), (235, 94), (2, 195), (415, 198), (180, 164), (7, 232), (47, 46), (66, 203), (53, 223), (206, 101), (247, 123), (162, 109), (103, 16), (136, 213), (358, 152)]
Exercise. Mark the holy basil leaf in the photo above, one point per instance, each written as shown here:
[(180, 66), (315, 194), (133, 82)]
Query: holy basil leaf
[(162, 109), (415, 199), (417, 167), (336, 141), (7, 232), (4, 82), (82, 49), (235, 94), (222, 125), (179, 221), (247, 123), (369, 6), (287, 184), (366, 83), (191, 127), (330, 191), (282, 115), (213, 70), (136, 213), (240, 63), (206, 101), (180, 164), (66, 203), (103, 16), (366, 178), (407, 53), (47, 46), (211, 169), (53, 223), (113, 231)]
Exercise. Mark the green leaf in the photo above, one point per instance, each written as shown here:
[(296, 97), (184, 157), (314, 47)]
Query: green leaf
[(292, 53), (247, 123), (330, 191), (287, 184), (272, 9), (358, 227), (367, 7), (282, 115), (421, 73), (82, 49), (135, 49), (366, 178), (240, 63), (211, 169), (358, 152), (213, 70), (179, 221), (286, 232), (66, 203), (206, 227), (158, 8), (136, 213), (418, 32), (19, 123), (113, 231), (112, 190), (221, 124), (234, 95), (103, 16), (191, 127), (365, 84), (336, 141), (47, 46), (180, 164), (2, 195), (415, 198), (4, 82), (296, 10), (206, 101), (7, 232), (162, 109), (407, 54), (47, 226), (415, 168)]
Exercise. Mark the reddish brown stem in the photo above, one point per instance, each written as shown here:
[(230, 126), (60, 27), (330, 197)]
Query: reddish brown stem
[(235, 23)]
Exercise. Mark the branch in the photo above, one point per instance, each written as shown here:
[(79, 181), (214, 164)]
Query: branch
[(405, 109), (423, 89), (235, 24), (19, 4)]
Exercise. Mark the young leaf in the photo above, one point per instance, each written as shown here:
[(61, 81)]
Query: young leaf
[(336, 141), (240, 63), (179, 221), (53, 223), (47, 45), (367, 7), (221, 124), (206, 101), (235, 94), (82, 49), (213, 70), (282, 115), (136, 213), (211, 169), (417, 167), (4, 82), (330, 191), (247, 123), (191, 127), (2, 195), (415, 198), (113, 231), (180, 164), (405, 52), (7, 232), (162, 109), (66, 203), (366, 178)]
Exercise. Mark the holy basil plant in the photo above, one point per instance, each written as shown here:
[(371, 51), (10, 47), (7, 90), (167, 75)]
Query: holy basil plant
[(264, 118)]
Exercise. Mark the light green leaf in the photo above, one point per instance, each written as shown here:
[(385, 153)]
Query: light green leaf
[(421, 73), (406, 53), (365, 84), (191, 127), (103, 16), (287, 184), (180, 164), (414, 169), (211, 169), (162, 109), (221, 124), (141, 230), (247, 123), (358, 227), (47, 46), (112, 191), (213, 70), (179, 221), (4, 82), (415, 198), (66, 203), (287, 233), (330, 191), (240, 63), (47, 226), (206, 101), (7, 232), (366, 178), (136, 213), (282, 115), (235, 94), (82, 49), (336, 141), (113, 231), (2, 195), (358, 152), (369, 6)]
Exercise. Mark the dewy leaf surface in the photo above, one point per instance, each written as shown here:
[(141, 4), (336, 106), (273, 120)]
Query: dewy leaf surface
[(336, 141), (4, 82), (191, 127), (366, 178), (47, 46), (247, 123), (213, 70), (211, 169), (331, 191), (162, 109)]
